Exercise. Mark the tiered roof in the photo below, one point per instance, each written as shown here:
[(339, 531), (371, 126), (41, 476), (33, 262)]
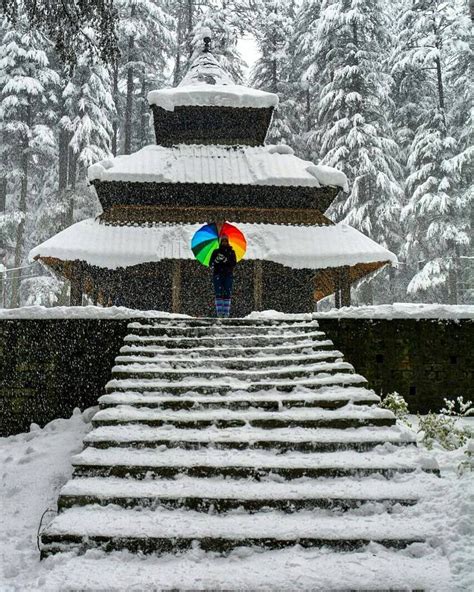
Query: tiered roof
[(223, 165), (300, 247), (210, 163)]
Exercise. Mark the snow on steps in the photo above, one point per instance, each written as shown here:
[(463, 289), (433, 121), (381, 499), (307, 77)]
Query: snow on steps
[(228, 351), (236, 433), (151, 371), (168, 463), (273, 400), (217, 330), (344, 417), (292, 569), (232, 363), (162, 530), (279, 439), (226, 384), (222, 495), (224, 339)]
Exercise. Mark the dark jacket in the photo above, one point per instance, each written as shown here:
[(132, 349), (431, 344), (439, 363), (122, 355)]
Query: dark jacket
[(223, 260)]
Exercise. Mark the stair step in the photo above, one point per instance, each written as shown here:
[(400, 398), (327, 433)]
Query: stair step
[(209, 341), (246, 437), (268, 401), (252, 352), (234, 363), (348, 416), (254, 464), (220, 495), (287, 570), (284, 320), (151, 371), (164, 531), (203, 386), (221, 330)]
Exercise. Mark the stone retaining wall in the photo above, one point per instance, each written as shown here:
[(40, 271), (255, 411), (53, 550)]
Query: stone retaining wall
[(50, 366)]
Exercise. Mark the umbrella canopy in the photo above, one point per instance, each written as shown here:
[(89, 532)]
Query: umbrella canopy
[(206, 240)]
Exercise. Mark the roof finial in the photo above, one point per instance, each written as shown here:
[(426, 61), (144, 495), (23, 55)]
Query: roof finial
[(206, 35)]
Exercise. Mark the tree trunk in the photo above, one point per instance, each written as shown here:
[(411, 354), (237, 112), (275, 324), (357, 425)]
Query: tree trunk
[(129, 102), (3, 194), (115, 121), (144, 113), (20, 231), (63, 159), (189, 26), (179, 40)]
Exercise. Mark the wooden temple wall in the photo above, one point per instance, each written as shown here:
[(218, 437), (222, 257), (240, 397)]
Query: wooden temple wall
[(185, 286)]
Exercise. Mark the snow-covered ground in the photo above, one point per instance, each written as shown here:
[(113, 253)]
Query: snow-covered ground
[(36, 464), (384, 311)]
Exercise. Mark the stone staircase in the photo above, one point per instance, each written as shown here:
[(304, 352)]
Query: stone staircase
[(238, 433)]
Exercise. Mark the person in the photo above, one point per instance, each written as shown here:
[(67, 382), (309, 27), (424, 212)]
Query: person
[(223, 261)]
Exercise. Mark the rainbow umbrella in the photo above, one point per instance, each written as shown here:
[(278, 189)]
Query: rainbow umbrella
[(206, 240)]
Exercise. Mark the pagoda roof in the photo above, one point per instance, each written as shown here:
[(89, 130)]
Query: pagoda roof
[(214, 164), (207, 84), (299, 247)]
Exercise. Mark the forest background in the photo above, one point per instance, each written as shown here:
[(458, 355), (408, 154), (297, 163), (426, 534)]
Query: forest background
[(381, 90)]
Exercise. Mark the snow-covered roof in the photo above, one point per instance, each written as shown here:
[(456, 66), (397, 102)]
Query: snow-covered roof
[(241, 165), (208, 84), (218, 95), (311, 247)]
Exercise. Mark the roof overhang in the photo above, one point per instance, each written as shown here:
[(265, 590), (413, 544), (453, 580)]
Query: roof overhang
[(298, 247)]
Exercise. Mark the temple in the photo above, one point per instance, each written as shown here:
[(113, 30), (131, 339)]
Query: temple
[(211, 164)]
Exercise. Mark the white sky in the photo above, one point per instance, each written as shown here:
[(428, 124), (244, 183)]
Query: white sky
[(247, 47)]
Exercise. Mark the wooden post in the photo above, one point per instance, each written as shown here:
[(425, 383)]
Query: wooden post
[(75, 297), (176, 286), (337, 288), (345, 282), (257, 284)]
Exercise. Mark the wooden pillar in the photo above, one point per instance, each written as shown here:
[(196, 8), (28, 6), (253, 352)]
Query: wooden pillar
[(257, 284), (345, 282), (176, 286), (75, 298), (337, 288)]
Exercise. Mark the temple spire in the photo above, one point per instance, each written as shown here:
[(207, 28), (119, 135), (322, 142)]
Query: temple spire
[(205, 68)]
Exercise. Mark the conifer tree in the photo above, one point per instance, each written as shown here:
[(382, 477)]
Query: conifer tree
[(273, 70), (435, 215), (146, 41), (353, 126), (27, 85)]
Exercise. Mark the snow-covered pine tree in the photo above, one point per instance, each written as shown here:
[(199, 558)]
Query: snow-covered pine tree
[(307, 82), (274, 71), (88, 110), (27, 85), (435, 215), (353, 116), (146, 40)]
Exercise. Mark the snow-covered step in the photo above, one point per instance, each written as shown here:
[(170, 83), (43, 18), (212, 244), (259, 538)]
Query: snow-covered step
[(216, 329), (222, 495), (226, 384), (238, 464), (162, 530), (282, 439), (252, 339), (346, 417), (232, 363), (150, 371), (325, 398), (293, 569), (225, 351)]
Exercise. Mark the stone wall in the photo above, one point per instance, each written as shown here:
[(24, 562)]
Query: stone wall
[(48, 367), (424, 360)]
